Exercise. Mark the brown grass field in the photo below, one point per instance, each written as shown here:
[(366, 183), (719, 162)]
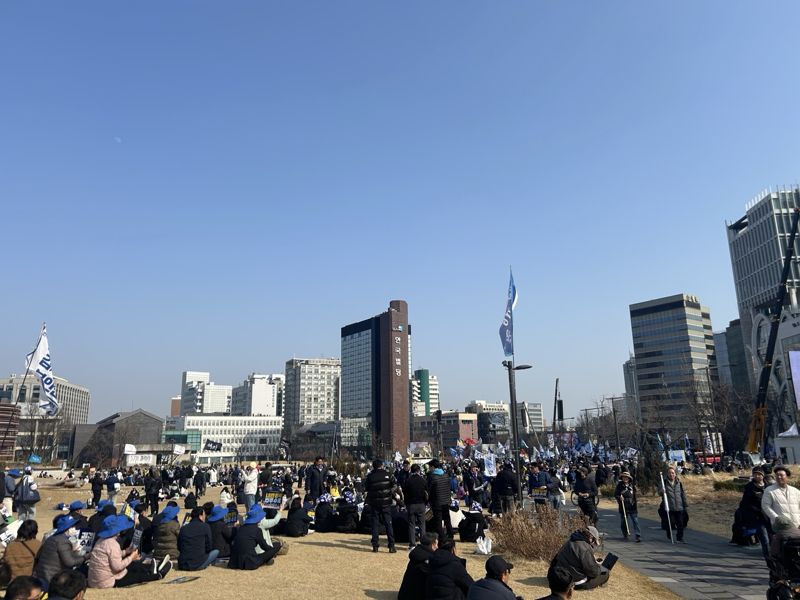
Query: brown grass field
[(333, 566)]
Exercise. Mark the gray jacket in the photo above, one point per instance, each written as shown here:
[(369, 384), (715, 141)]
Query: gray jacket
[(55, 555), (577, 556), (676, 497)]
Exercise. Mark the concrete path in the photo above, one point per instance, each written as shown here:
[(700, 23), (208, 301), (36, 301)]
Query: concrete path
[(705, 567)]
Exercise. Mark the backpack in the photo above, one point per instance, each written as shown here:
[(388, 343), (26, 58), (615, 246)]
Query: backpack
[(24, 494)]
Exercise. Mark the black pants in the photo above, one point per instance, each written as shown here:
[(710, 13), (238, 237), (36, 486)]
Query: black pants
[(416, 518), (441, 514), (96, 497), (676, 519), (382, 515), (594, 582), (152, 503), (138, 572), (589, 509)]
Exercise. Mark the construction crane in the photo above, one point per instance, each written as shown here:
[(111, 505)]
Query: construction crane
[(757, 431)]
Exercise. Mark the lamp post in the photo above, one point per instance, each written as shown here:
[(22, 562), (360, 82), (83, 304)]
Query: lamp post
[(512, 389)]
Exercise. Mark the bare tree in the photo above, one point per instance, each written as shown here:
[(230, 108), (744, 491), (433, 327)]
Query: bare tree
[(98, 451)]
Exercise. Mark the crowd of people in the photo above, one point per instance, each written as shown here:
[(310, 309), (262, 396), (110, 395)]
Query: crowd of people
[(431, 508)]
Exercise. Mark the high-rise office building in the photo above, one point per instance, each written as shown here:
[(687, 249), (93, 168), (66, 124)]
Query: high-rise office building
[(310, 392), (675, 363), (628, 410), (375, 381), (424, 393), (201, 395), (257, 395), (757, 243), (73, 399)]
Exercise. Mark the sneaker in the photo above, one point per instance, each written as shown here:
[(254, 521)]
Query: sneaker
[(162, 572), (163, 563), (392, 550), (155, 567)]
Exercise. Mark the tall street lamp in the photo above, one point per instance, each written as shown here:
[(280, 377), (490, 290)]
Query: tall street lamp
[(512, 389)]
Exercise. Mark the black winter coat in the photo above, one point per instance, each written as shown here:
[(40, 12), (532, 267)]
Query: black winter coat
[(626, 493), (416, 575), (490, 589), (297, 522), (194, 544), (243, 550), (324, 519), (379, 488), (315, 482), (438, 489), (415, 490), (505, 484), (750, 506), (448, 578), (221, 537)]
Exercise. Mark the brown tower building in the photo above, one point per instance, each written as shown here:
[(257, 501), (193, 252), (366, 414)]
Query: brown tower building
[(375, 381)]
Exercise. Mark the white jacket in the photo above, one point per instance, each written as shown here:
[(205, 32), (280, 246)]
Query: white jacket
[(250, 482), (776, 502)]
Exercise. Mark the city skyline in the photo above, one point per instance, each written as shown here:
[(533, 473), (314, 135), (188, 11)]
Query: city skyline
[(222, 188)]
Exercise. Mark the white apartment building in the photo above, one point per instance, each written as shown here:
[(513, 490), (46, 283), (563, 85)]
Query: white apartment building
[(311, 391), (424, 393), (258, 395), (201, 395)]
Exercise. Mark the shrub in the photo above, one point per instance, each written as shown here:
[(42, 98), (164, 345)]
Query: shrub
[(607, 490), (733, 485), (534, 535)]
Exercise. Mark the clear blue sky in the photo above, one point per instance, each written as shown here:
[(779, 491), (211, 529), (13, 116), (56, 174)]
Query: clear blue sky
[(221, 186)]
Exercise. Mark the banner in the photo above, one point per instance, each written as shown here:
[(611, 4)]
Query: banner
[(212, 446), (38, 361), (490, 466), (272, 499), (129, 449), (178, 450), (507, 326), (284, 443)]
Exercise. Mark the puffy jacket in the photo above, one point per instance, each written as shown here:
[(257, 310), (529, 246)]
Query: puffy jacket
[(167, 540), (675, 495), (250, 482), (221, 537), (379, 488), (56, 555), (416, 575), (415, 490), (776, 502), (438, 488), (577, 557), (448, 578), (106, 564), (750, 505), (243, 551), (490, 589), (506, 484), (194, 544)]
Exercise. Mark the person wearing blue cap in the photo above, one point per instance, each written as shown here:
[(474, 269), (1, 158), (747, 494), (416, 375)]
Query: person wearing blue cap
[(221, 532), (59, 552), (103, 509), (248, 538), (166, 535), (110, 566), (75, 509)]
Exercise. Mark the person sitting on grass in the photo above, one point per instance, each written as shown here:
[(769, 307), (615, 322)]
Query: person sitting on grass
[(297, 521), (221, 532), (495, 585), (194, 543), (166, 542), (248, 538), (416, 575), (448, 578), (577, 556), (110, 566), (21, 552), (560, 582), (103, 509), (58, 552)]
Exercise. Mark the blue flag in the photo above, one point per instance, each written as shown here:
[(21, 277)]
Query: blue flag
[(686, 444), (507, 327)]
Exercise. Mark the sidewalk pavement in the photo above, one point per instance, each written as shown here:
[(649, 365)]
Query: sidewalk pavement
[(705, 567)]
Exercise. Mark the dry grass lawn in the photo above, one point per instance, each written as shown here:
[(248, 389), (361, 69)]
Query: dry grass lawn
[(334, 566)]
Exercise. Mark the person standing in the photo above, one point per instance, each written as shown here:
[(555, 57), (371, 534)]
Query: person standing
[(97, 488), (415, 493), (750, 509), (675, 496), (199, 483), (152, 487), (625, 493), (475, 485), (250, 479), (380, 485), (781, 499), (112, 486), (9, 485), (439, 497), (506, 486), (586, 489), (403, 473), (27, 495), (315, 479)]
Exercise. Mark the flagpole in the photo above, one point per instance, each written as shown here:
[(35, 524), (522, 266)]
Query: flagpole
[(19, 394)]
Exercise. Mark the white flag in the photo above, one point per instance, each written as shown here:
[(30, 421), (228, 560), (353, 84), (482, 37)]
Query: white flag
[(178, 450), (38, 361), (129, 449)]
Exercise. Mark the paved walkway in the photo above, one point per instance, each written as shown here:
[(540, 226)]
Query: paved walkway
[(705, 567)]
